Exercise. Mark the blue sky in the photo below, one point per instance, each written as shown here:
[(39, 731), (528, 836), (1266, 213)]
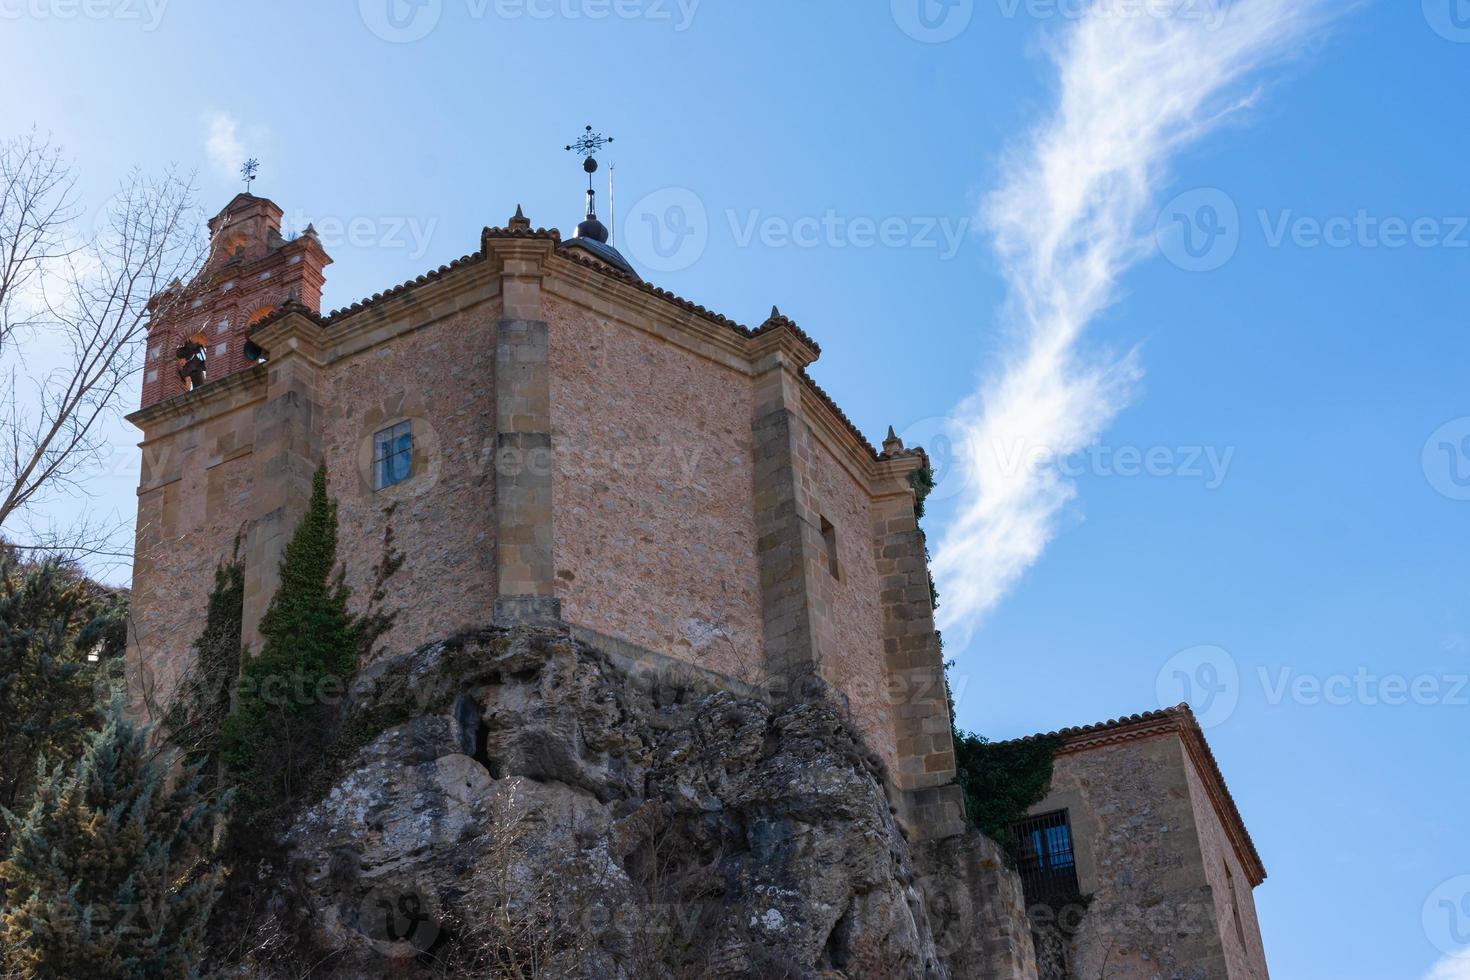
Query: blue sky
[(1303, 400)]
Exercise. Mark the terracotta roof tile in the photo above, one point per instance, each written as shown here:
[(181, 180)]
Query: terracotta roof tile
[(661, 293), (831, 403), (841, 415), (777, 320), (439, 273)]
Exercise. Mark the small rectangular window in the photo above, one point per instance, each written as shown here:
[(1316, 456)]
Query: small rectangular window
[(392, 456), (829, 538), (1234, 903)]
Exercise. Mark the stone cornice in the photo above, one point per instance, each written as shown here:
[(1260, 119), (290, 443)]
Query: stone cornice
[(718, 339), (520, 251), (213, 399), (662, 294), (296, 332), (781, 332), (892, 471), (786, 339), (608, 295), (404, 287), (518, 254), (366, 326), (839, 438)]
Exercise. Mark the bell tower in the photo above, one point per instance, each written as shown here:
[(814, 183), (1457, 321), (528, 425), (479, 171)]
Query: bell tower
[(250, 272)]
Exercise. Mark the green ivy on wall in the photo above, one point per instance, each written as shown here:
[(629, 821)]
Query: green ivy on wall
[(1003, 781)]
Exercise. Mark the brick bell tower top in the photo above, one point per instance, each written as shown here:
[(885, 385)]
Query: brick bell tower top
[(200, 331)]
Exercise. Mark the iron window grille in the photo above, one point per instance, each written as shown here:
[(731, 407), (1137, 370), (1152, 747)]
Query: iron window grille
[(392, 456), (1048, 864)]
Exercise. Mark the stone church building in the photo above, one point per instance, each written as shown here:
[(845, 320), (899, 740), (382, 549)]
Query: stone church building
[(553, 439)]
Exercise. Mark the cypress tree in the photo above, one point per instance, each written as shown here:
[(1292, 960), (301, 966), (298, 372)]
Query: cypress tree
[(195, 719), (109, 874), (282, 721)]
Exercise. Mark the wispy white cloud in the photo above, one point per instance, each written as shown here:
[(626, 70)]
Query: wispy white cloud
[(1450, 968), (224, 144), (1133, 89)]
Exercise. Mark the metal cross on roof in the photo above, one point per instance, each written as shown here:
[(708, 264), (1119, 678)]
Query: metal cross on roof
[(248, 172), (589, 143)]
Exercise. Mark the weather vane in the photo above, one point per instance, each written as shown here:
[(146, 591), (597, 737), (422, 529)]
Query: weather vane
[(248, 172), (587, 145)]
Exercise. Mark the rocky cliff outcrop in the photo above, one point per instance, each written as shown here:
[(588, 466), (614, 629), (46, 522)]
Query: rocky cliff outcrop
[(515, 803)]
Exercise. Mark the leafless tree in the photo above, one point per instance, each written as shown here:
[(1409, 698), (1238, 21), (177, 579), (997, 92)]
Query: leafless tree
[(75, 301), (36, 205)]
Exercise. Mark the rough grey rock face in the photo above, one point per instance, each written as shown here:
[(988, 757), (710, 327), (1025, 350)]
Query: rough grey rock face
[(515, 805)]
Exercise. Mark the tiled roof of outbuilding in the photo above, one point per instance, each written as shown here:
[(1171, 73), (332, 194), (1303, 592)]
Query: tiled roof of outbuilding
[(1179, 719)]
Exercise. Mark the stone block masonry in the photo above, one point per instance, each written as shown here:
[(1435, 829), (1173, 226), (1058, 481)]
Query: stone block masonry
[(585, 449), (287, 452), (1160, 849), (789, 533), (523, 498)]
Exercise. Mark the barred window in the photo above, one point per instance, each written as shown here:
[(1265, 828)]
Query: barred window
[(392, 456), (1048, 865)]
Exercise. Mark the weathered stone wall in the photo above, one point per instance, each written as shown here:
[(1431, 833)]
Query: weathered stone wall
[(441, 379), (193, 500), (1245, 953), (655, 538), (849, 616), (1138, 855), (976, 908)]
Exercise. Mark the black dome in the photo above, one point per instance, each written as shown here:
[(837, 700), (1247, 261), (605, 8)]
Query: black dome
[(593, 229)]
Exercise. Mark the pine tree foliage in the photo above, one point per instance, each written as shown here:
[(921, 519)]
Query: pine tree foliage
[(110, 872), (58, 633), (311, 644), (196, 717)]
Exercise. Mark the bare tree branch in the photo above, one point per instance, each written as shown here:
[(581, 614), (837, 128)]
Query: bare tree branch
[(76, 303), (37, 204)]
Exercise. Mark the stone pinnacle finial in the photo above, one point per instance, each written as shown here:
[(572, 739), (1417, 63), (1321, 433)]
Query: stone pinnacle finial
[(777, 318), (892, 444), (519, 222)]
